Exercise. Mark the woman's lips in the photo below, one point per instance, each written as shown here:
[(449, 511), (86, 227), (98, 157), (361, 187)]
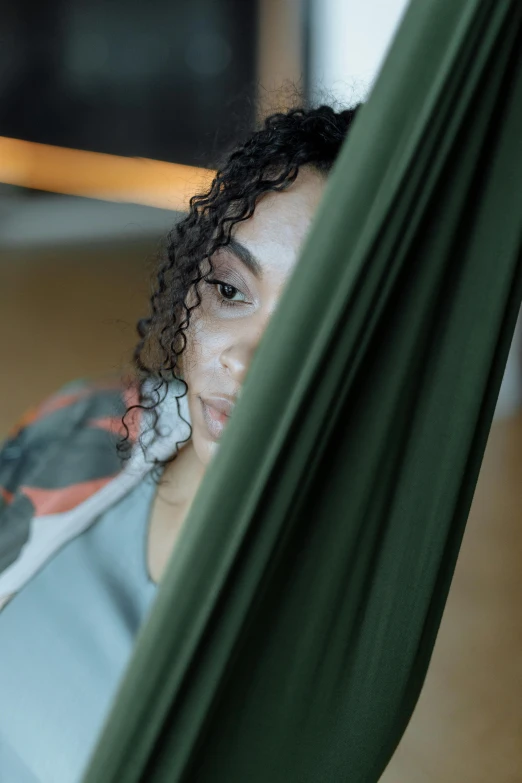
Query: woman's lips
[(214, 420)]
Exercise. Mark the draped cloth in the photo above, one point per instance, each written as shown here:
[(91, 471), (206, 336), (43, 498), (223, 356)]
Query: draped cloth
[(294, 625)]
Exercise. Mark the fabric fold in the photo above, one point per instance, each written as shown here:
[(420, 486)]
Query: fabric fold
[(294, 625)]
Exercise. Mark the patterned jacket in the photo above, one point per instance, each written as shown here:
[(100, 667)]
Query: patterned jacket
[(60, 469)]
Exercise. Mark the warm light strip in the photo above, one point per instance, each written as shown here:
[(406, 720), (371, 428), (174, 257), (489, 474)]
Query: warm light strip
[(102, 176)]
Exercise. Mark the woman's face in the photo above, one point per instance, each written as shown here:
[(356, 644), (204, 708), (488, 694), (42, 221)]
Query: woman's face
[(226, 328)]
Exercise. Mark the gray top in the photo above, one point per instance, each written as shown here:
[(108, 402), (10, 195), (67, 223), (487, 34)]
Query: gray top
[(65, 640)]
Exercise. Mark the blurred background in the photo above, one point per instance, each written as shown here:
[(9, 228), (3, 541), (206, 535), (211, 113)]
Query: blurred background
[(111, 116)]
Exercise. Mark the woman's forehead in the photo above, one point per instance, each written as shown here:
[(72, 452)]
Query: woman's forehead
[(282, 219)]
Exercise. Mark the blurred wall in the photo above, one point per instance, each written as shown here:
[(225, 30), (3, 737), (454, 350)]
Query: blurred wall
[(165, 79), (282, 50), (348, 43), (67, 312), (173, 81)]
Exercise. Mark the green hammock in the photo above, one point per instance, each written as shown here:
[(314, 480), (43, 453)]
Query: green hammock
[(294, 625)]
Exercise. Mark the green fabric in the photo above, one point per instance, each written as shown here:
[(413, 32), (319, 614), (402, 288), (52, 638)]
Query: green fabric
[(295, 623)]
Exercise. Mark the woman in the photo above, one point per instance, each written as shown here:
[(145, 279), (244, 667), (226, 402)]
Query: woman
[(84, 539)]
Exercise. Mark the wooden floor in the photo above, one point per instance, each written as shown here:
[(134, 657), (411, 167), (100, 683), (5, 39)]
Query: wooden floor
[(67, 314)]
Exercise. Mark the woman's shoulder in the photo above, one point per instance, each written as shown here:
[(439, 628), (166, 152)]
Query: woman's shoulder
[(69, 438), (88, 400), (58, 454)]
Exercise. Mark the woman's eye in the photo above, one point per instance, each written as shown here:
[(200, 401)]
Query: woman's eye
[(226, 292)]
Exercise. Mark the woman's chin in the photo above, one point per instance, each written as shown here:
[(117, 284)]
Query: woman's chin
[(205, 448), (213, 448)]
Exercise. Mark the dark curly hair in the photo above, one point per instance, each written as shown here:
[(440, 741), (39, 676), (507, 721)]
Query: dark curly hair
[(269, 160)]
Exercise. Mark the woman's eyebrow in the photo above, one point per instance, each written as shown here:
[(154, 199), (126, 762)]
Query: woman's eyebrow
[(244, 255)]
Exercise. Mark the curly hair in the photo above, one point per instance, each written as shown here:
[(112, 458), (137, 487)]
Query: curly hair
[(269, 160)]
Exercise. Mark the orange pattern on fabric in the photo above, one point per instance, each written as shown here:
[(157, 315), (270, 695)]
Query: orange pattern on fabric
[(110, 423), (113, 424), (56, 501), (133, 420), (49, 406), (27, 418), (55, 403), (131, 395), (7, 496)]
